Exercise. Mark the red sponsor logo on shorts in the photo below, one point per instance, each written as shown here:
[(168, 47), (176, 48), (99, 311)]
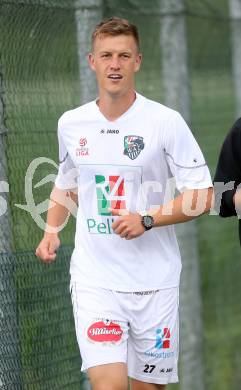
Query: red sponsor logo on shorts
[(101, 332)]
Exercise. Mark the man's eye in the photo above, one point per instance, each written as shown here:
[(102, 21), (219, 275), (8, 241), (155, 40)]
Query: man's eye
[(105, 55)]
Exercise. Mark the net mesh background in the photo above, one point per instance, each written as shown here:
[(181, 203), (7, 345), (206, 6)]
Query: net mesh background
[(39, 80)]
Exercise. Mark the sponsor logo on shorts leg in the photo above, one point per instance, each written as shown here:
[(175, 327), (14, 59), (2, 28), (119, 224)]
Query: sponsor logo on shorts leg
[(162, 344), (163, 338), (104, 331)]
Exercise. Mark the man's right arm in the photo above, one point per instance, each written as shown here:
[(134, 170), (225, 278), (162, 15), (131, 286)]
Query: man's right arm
[(62, 203)]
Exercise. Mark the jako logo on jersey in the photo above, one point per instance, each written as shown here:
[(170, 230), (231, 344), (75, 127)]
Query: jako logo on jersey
[(163, 338), (102, 332), (109, 131), (110, 193), (133, 145), (82, 151)]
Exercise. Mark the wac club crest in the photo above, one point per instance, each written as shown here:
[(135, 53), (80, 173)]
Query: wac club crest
[(133, 145)]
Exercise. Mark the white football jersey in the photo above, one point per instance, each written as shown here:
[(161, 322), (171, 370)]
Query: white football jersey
[(129, 163)]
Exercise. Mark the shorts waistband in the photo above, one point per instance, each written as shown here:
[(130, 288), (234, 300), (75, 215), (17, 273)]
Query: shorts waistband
[(138, 292)]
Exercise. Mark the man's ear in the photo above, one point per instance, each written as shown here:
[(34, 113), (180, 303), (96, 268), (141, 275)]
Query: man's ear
[(138, 62), (91, 61)]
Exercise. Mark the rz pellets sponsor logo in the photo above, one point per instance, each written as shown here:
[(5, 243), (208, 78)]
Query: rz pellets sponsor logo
[(110, 194)]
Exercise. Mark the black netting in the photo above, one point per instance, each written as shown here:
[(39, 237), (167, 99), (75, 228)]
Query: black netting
[(38, 348)]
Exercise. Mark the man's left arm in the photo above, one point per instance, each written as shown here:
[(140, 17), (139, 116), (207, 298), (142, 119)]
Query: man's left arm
[(188, 205)]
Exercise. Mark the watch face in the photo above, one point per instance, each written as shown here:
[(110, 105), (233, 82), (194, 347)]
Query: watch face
[(147, 222)]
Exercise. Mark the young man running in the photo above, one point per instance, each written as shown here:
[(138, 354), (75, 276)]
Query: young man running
[(125, 267)]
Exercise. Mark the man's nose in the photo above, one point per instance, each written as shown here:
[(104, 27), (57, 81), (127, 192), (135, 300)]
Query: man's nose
[(115, 63)]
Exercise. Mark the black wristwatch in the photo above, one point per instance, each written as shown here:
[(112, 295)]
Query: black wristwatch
[(147, 221)]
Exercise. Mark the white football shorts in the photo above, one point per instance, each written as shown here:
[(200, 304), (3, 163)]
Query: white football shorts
[(140, 329)]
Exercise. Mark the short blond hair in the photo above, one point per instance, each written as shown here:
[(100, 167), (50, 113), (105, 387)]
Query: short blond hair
[(116, 26)]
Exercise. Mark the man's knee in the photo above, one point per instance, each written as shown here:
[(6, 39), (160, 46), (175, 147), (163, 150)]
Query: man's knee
[(138, 385), (109, 377), (108, 386)]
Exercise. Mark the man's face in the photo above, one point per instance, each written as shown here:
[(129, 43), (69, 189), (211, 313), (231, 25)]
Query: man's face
[(115, 59)]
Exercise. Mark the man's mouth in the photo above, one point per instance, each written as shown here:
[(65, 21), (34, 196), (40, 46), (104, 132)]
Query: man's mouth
[(115, 76)]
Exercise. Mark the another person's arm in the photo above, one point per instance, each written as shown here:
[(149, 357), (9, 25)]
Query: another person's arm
[(229, 170)]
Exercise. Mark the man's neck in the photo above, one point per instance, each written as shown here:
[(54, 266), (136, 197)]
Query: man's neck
[(112, 107)]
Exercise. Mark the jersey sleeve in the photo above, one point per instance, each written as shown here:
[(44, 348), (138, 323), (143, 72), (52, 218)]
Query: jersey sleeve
[(184, 156), (229, 169), (67, 173)]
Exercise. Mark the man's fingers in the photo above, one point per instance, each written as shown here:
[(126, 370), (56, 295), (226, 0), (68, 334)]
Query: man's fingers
[(119, 225), (50, 257), (40, 252), (46, 250), (124, 234), (47, 258), (128, 225), (53, 247)]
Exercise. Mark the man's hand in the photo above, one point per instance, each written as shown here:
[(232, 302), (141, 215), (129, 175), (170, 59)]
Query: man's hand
[(47, 248), (237, 201), (128, 225)]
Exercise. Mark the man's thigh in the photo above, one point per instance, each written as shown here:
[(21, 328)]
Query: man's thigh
[(101, 329)]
